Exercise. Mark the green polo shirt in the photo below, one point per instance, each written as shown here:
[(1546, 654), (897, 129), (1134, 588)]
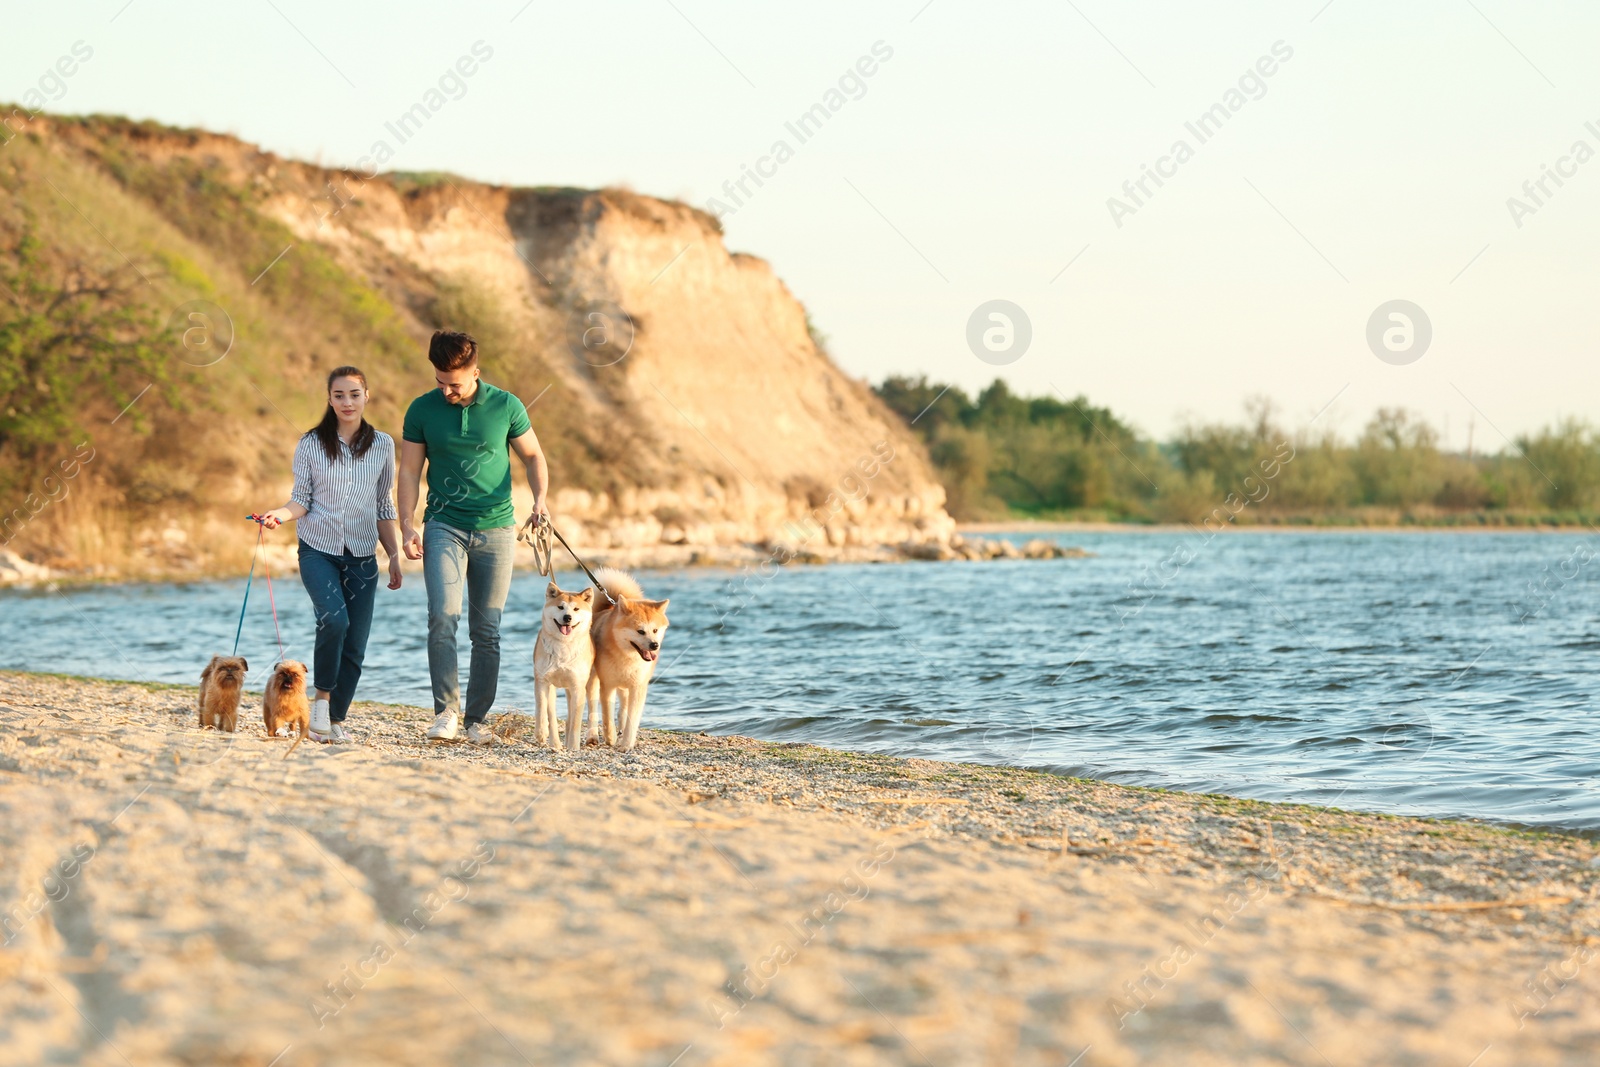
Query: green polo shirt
[(469, 458)]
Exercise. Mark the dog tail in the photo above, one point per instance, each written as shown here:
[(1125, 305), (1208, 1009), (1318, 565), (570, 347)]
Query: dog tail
[(618, 583), (304, 733)]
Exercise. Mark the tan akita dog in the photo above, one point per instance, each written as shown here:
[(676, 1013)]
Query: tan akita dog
[(627, 641), (563, 658)]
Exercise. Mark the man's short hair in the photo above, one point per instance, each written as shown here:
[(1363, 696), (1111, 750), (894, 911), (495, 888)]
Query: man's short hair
[(452, 351)]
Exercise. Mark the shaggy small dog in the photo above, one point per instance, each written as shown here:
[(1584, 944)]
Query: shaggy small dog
[(284, 703), (221, 685)]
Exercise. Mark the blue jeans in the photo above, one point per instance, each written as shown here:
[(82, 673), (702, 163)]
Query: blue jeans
[(480, 560), (342, 588)]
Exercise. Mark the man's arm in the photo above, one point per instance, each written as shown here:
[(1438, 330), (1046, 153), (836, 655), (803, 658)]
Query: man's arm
[(412, 455), (528, 450)]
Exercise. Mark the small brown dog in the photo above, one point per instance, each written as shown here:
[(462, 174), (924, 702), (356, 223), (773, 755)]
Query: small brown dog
[(221, 684), (284, 703)]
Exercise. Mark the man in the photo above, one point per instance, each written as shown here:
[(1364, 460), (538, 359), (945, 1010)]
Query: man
[(463, 431)]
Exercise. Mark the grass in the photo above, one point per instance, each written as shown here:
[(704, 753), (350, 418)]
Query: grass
[(154, 687), (513, 727), (1358, 519), (424, 179)]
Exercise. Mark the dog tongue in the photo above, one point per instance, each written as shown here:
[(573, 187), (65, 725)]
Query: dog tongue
[(649, 655), (565, 630)]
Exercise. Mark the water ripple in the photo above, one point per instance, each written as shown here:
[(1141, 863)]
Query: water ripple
[(1398, 672)]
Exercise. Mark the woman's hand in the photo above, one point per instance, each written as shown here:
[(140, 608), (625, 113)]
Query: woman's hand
[(394, 572), (276, 517)]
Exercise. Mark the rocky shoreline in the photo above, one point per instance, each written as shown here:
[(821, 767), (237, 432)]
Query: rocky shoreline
[(19, 572), (179, 897)]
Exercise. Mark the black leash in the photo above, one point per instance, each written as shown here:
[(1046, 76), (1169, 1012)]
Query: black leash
[(543, 553)]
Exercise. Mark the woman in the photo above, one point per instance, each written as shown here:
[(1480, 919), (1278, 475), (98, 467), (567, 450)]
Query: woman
[(343, 505)]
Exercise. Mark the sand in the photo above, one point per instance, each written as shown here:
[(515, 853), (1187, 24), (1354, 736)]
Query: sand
[(175, 897)]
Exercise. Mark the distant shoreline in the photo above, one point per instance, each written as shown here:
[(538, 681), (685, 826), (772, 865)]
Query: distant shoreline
[(1046, 526), (747, 556)]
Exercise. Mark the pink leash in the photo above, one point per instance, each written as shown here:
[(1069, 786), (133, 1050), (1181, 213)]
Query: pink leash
[(260, 550)]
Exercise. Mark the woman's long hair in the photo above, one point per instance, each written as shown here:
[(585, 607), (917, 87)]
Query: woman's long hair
[(327, 430)]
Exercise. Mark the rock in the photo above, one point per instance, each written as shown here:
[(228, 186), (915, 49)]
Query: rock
[(929, 550), (1039, 548), (13, 568), (984, 548)]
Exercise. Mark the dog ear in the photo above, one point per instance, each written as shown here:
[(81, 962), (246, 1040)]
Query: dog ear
[(205, 675), (660, 605), (246, 664), (586, 595), (551, 592)]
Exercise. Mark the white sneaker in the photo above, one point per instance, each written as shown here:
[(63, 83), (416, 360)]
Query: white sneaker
[(321, 728), (340, 735), (444, 727), (478, 735)]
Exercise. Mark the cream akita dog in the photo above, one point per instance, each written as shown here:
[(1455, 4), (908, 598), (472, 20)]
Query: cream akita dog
[(563, 658)]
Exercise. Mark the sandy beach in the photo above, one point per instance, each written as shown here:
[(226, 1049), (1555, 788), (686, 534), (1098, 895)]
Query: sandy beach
[(173, 897)]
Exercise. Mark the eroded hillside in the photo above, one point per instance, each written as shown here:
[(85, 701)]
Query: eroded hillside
[(676, 386)]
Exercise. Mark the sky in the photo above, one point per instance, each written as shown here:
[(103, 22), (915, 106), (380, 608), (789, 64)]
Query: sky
[(1359, 153)]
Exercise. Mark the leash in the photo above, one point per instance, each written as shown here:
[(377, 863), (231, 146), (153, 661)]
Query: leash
[(259, 552), (538, 538), (254, 553)]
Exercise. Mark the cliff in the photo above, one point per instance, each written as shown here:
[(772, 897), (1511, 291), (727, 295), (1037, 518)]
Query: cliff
[(686, 407)]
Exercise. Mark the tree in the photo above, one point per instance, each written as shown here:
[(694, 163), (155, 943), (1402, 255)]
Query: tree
[(1397, 460), (66, 338), (1565, 455), (925, 406)]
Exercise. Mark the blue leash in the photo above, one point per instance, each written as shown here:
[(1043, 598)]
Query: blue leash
[(261, 532)]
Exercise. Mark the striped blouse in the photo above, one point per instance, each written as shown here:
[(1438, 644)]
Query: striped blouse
[(344, 499)]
